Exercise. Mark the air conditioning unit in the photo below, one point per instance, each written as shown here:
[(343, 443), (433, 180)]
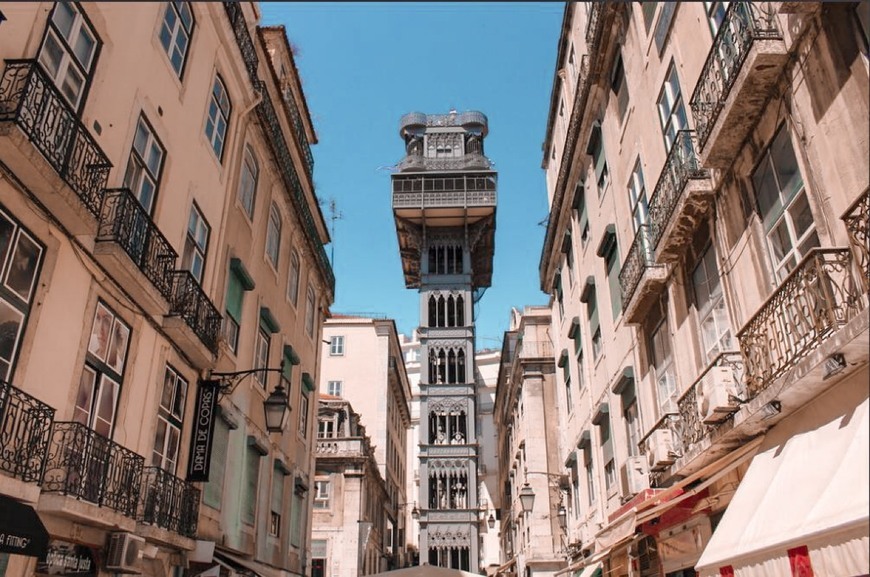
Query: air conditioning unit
[(635, 475), (661, 449), (717, 395), (125, 550)]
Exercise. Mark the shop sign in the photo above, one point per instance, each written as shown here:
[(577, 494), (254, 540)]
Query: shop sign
[(199, 459), (64, 558)]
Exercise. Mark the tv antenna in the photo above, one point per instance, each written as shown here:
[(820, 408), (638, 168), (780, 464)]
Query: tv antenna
[(334, 215)]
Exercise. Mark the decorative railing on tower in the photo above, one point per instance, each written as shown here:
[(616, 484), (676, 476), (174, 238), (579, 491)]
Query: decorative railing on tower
[(29, 98), (25, 423), (857, 219), (816, 299), (743, 24), (168, 502), (84, 464), (124, 220)]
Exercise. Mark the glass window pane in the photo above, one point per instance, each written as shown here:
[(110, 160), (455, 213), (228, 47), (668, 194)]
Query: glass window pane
[(22, 270), (84, 48), (11, 323), (85, 396), (64, 17), (785, 163), (801, 215), (51, 55), (118, 348)]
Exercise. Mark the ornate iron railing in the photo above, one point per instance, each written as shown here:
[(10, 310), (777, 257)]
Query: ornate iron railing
[(299, 131), (680, 165), (814, 301), (84, 464), (243, 38), (744, 22), (124, 220), (29, 98), (168, 502), (430, 199), (25, 423), (467, 161), (594, 25), (272, 127), (640, 257), (189, 302), (689, 427), (857, 219)]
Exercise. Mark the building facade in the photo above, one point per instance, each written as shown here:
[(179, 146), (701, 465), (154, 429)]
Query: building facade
[(350, 528), (164, 277), (362, 362), (527, 421), (443, 197), (706, 254)]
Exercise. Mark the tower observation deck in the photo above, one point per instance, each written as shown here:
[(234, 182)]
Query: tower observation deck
[(444, 199)]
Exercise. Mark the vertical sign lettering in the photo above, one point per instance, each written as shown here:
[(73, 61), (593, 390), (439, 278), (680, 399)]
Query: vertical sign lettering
[(199, 459)]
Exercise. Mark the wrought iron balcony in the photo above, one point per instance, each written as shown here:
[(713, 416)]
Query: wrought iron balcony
[(680, 199), (594, 25), (743, 64), (168, 502), (125, 222), (819, 297), (640, 276), (299, 131), (82, 463), (25, 424), (243, 38), (189, 302), (417, 162), (444, 191), (30, 99), (272, 127), (857, 219)]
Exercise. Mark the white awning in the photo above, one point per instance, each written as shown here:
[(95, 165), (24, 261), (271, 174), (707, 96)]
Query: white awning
[(589, 570), (806, 486)]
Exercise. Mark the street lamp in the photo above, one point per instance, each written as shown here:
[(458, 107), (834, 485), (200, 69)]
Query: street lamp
[(415, 512), (276, 407), (490, 522), (527, 498)]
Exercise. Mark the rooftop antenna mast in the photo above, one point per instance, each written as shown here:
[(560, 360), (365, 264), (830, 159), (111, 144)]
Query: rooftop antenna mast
[(334, 215)]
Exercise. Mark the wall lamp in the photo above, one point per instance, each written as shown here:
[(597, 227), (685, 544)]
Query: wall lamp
[(276, 407), (527, 497), (490, 522)]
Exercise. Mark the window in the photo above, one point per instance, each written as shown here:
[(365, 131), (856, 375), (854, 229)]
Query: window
[(580, 206), (20, 259), (672, 111), (602, 419), (195, 244), (649, 11), (293, 279), (298, 517), (143, 167), (568, 249), (581, 381), (273, 235), (213, 491), (336, 346), (309, 312), (252, 481), (321, 494), (333, 388), (596, 149), (170, 416), (175, 33), (566, 378), (591, 299), (326, 428), (611, 268), (609, 476), (590, 474), (862, 17), (248, 182), (238, 281), (784, 206), (557, 292), (619, 86), (303, 415), (632, 425), (69, 50), (218, 117), (710, 304), (715, 15), (277, 503), (637, 197), (100, 383), (445, 259), (572, 62), (661, 357), (261, 356)]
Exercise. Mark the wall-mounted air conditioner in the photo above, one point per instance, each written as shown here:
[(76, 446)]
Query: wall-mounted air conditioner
[(125, 551), (717, 395), (635, 475), (661, 449)]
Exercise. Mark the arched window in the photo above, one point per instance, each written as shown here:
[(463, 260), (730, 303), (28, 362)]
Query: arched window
[(293, 279), (248, 182), (273, 235)]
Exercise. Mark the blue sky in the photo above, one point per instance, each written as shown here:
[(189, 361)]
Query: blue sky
[(364, 65)]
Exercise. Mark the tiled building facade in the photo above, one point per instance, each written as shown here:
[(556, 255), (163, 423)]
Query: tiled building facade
[(706, 253), (161, 234)]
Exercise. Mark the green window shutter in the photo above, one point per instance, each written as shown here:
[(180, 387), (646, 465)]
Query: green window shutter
[(213, 490), (235, 294)]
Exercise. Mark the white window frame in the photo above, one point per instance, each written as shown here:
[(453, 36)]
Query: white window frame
[(176, 30), (671, 108), (321, 494), (248, 179), (170, 419), (293, 279), (273, 236), (142, 176), (70, 70), (309, 311), (336, 346), (218, 117), (261, 356), (713, 322), (637, 197), (196, 243)]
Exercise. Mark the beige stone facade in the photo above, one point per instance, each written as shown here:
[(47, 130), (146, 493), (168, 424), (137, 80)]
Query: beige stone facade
[(706, 253), (362, 362), (159, 230)]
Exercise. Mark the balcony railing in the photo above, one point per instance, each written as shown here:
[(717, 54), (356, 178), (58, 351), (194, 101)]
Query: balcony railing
[(191, 303), (680, 165), (743, 24), (168, 502), (594, 25), (690, 428), (82, 463), (272, 127), (473, 161), (639, 259), (344, 447), (243, 38), (531, 349), (29, 98), (25, 424), (857, 220), (299, 131), (123, 220), (815, 300)]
